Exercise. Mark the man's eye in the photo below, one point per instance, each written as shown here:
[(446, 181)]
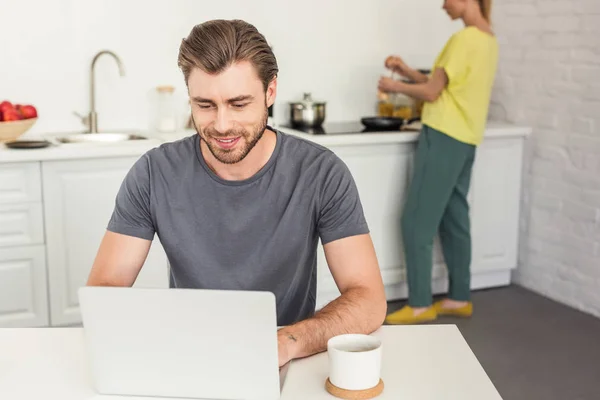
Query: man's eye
[(204, 106), (239, 106)]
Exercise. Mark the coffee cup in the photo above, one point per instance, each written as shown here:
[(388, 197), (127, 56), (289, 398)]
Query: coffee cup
[(354, 361)]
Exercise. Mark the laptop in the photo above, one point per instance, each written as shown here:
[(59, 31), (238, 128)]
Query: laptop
[(189, 343)]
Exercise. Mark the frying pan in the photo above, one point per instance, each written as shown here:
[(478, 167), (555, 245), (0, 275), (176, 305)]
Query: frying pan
[(385, 123), (27, 144)]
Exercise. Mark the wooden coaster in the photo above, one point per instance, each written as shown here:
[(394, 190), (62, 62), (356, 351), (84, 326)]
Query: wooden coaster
[(354, 394)]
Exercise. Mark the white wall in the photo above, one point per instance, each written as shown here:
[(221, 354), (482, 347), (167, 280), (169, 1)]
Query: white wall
[(548, 78), (333, 48)]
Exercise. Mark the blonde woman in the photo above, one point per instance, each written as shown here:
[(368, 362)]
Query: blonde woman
[(457, 96)]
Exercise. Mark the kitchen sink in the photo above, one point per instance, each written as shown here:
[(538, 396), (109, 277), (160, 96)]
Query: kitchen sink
[(99, 138)]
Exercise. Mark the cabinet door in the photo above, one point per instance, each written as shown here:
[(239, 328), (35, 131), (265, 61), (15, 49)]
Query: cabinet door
[(495, 199), (23, 293), (79, 198), (21, 224)]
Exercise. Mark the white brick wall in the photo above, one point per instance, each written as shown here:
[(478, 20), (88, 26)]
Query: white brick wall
[(549, 78)]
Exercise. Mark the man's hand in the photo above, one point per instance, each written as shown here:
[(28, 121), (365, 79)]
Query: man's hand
[(286, 344)]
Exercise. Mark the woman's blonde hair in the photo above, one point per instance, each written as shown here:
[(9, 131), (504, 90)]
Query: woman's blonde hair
[(486, 9)]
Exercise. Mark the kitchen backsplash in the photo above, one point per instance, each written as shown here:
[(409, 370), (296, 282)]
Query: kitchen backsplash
[(333, 49)]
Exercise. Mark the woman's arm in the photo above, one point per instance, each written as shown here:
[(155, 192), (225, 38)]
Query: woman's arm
[(398, 65), (428, 91), (416, 76)]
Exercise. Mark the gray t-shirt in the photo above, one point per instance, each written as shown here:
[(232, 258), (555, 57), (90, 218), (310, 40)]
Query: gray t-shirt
[(257, 234)]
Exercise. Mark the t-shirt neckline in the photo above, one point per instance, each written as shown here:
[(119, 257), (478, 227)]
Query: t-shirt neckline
[(272, 160)]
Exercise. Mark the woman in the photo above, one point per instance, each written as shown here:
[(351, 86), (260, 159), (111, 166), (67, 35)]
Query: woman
[(457, 96)]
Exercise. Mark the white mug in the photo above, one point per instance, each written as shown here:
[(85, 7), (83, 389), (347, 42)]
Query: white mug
[(354, 361)]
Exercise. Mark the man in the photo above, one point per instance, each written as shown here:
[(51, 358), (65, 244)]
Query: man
[(241, 206)]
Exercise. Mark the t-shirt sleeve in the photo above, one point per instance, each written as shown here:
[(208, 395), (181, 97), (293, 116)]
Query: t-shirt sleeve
[(132, 215), (454, 58), (341, 214)]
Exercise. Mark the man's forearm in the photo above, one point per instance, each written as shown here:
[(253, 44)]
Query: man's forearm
[(358, 310)]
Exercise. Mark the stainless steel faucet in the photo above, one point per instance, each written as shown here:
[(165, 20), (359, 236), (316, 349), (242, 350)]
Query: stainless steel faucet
[(91, 120)]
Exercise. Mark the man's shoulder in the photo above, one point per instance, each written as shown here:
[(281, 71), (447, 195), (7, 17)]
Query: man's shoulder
[(301, 149), (172, 151), (308, 157)]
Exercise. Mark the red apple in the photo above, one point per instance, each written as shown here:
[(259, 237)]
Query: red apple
[(18, 108), (6, 105), (27, 111), (11, 115)]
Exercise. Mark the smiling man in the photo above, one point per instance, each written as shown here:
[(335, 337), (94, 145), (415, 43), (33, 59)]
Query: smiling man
[(242, 206)]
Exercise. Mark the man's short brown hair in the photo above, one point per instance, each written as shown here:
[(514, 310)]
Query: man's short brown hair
[(215, 45)]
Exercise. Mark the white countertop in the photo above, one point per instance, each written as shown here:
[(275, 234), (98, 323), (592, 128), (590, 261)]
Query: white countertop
[(136, 148), (493, 130), (72, 151), (424, 362)]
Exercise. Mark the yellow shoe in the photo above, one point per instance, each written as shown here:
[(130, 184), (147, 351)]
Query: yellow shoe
[(406, 315), (464, 311)]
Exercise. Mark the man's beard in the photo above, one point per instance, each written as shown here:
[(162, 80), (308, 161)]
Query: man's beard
[(246, 143)]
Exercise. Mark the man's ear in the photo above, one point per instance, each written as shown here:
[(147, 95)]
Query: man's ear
[(271, 92)]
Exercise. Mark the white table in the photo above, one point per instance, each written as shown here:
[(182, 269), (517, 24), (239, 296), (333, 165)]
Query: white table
[(419, 363)]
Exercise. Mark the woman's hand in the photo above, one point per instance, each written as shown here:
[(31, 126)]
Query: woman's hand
[(397, 65), (387, 85)]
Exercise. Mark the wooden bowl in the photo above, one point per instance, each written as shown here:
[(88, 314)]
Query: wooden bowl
[(11, 130)]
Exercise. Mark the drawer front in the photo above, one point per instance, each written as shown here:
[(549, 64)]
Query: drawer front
[(23, 287), (21, 224), (20, 182)]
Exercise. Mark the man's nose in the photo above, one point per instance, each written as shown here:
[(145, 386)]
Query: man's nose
[(224, 122)]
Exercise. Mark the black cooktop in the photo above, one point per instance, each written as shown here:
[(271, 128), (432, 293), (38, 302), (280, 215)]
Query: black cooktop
[(331, 128)]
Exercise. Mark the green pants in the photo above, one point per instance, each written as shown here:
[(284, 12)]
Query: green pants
[(437, 202)]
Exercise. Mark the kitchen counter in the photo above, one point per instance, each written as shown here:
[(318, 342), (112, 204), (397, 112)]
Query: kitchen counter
[(138, 147), (71, 151), (47, 364), (493, 130)]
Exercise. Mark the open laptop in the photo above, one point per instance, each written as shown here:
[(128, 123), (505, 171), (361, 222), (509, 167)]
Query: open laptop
[(190, 343)]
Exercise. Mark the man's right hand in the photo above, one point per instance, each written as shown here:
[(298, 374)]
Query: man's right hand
[(397, 65)]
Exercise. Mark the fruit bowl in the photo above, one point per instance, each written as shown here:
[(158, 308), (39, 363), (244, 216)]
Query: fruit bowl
[(11, 130)]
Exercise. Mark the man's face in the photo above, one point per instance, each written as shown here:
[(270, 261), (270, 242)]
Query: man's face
[(230, 109)]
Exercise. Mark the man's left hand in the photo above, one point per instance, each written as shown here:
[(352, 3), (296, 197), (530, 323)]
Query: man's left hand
[(285, 345)]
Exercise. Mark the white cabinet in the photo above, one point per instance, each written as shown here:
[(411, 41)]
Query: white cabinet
[(23, 278), (79, 198), (495, 198), (53, 215), (23, 291)]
